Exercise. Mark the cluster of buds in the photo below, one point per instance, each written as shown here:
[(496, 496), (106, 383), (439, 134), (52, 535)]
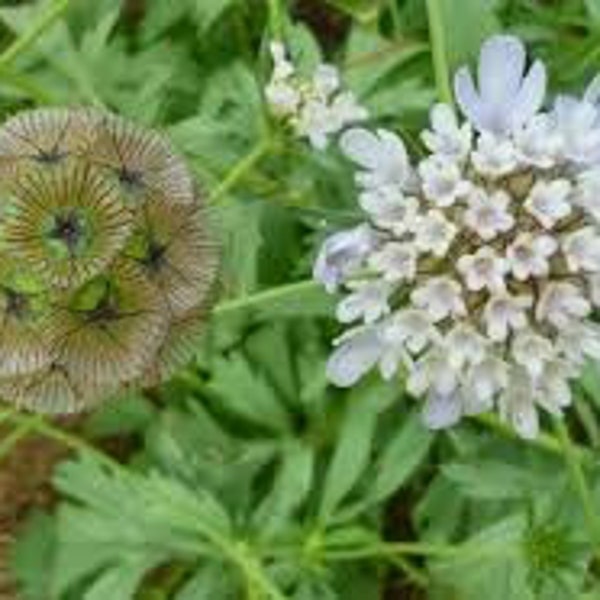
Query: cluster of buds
[(315, 109), (107, 265), (476, 272)]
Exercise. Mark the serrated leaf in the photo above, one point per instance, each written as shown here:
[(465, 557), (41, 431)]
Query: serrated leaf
[(400, 458), (209, 582), (247, 394), (208, 12), (496, 480), (492, 565), (354, 445), (126, 414), (290, 488), (149, 519)]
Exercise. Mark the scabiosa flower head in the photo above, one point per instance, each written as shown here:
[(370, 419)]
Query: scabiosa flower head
[(315, 108), (108, 264), (476, 271)]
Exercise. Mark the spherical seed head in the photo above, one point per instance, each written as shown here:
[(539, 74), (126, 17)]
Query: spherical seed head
[(140, 161), (25, 309), (110, 329), (40, 139), (484, 296), (68, 223), (172, 247), (182, 342), (109, 262)]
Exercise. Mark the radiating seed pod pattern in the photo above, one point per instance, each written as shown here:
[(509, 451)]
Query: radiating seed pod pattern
[(108, 263)]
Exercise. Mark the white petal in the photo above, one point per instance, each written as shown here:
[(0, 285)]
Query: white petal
[(467, 98), (525, 420), (531, 95), (362, 147), (501, 66), (354, 358), (442, 410)]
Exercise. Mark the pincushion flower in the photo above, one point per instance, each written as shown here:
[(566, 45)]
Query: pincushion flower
[(488, 249), (315, 108)]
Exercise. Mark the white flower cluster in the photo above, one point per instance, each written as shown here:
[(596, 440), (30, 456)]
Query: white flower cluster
[(316, 109), (476, 272)]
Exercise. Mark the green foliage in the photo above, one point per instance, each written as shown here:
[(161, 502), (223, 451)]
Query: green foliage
[(249, 476)]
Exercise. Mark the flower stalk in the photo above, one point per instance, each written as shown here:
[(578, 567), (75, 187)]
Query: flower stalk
[(438, 50)]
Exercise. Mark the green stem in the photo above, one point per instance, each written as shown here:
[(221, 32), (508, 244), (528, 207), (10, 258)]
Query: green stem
[(437, 36), (579, 482), (384, 549), (253, 572), (396, 18), (13, 438), (276, 19), (37, 28), (544, 441), (274, 294), (241, 169), (39, 425), (413, 574)]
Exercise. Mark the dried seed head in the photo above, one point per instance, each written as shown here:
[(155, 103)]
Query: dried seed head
[(68, 224), (108, 259), (140, 161), (171, 246), (110, 329)]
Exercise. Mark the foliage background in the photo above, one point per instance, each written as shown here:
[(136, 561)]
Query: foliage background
[(249, 477)]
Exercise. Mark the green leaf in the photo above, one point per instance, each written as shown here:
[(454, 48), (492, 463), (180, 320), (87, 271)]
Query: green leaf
[(497, 480), (149, 518), (291, 486), (467, 28), (247, 394), (593, 11), (401, 457), (491, 567), (365, 11), (210, 582), (126, 414), (354, 444), (32, 556), (208, 12)]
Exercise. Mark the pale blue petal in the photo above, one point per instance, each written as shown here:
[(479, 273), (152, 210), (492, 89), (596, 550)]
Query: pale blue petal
[(468, 99), (354, 358), (442, 410), (501, 67), (362, 147), (531, 96)]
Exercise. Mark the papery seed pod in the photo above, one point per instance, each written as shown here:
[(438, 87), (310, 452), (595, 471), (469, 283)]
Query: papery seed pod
[(172, 248), (52, 391), (141, 161), (178, 348), (44, 138), (68, 224), (111, 329), (107, 259), (24, 312)]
